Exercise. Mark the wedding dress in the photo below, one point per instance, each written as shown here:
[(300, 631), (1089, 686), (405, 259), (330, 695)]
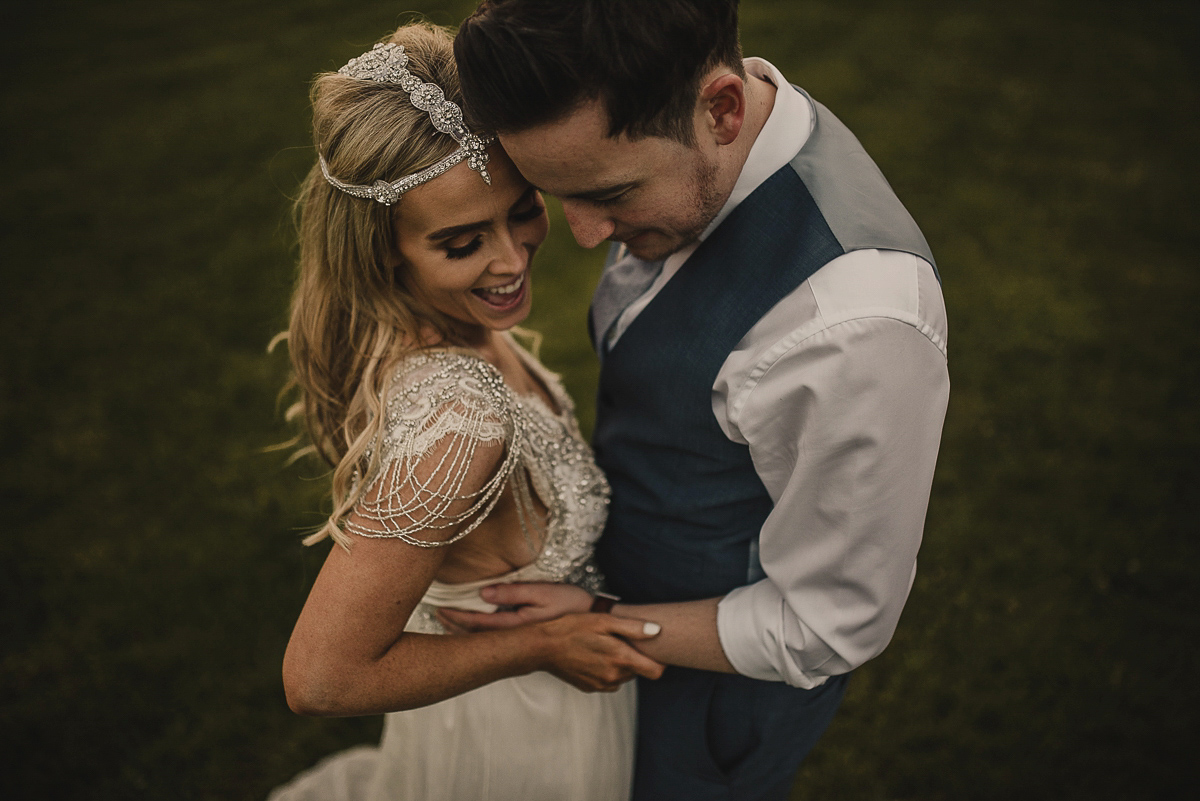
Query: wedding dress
[(527, 738)]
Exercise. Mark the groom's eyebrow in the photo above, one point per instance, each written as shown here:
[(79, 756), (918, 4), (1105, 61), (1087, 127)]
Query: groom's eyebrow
[(603, 192)]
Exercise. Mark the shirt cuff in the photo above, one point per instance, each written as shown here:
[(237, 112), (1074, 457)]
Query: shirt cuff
[(764, 640)]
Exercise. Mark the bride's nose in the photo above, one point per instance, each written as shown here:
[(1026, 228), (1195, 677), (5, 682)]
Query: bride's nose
[(510, 259)]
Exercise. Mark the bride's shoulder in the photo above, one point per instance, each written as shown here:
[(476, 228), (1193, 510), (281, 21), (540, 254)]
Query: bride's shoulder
[(434, 382), (430, 368)]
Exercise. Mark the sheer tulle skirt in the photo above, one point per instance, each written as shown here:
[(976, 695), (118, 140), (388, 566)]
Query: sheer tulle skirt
[(532, 738)]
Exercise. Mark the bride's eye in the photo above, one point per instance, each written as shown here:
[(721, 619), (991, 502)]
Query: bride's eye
[(463, 251)]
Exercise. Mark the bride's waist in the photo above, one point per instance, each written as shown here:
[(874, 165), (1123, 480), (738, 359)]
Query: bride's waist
[(465, 595)]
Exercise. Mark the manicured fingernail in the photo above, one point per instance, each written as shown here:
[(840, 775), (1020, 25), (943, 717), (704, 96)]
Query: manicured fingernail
[(651, 629)]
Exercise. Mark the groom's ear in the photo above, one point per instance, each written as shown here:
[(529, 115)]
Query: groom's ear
[(723, 100)]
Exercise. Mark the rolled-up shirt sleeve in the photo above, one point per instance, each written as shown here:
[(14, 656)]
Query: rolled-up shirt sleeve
[(843, 426)]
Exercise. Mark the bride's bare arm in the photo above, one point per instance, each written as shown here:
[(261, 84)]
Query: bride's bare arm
[(442, 463), (348, 654)]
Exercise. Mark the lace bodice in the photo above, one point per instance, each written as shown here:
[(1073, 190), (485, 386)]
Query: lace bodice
[(445, 409)]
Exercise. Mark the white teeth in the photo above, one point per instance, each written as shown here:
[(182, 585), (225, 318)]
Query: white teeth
[(509, 289)]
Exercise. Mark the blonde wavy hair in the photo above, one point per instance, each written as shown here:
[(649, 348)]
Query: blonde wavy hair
[(351, 316)]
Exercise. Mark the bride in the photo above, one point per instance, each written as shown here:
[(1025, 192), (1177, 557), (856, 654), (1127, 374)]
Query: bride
[(457, 462)]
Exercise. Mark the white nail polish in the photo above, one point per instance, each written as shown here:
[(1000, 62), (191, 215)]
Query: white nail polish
[(650, 629)]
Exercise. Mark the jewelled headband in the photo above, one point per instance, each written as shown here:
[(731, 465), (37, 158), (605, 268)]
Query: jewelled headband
[(386, 63)]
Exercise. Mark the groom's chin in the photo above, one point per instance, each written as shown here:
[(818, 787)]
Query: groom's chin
[(653, 245)]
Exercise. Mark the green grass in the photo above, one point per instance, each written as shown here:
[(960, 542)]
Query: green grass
[(153, 569)]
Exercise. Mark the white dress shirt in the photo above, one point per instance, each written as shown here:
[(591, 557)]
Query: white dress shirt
[(840, 392)]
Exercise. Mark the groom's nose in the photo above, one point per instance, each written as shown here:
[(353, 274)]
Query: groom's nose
[(590, 224)]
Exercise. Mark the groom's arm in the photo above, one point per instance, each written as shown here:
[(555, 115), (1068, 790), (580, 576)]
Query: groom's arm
[(689, 636), (843, 417)]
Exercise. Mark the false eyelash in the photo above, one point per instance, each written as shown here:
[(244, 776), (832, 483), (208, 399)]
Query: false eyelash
[(464, 251)]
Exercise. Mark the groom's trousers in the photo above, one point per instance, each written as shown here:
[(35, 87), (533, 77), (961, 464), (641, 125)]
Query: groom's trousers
[(706, 736)]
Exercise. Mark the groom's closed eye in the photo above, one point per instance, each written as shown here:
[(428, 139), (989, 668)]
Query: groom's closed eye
[(609, 201), (608, 194)]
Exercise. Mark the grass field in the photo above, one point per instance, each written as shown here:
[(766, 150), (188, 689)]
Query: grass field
[(152, 566)]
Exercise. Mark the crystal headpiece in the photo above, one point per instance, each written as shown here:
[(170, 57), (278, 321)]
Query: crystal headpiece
[(386, 63)]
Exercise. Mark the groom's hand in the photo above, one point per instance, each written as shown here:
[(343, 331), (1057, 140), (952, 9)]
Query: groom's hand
[(520, 604)]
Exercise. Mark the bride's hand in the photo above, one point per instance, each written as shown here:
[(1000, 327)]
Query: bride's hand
[(532, 602), (592, 652)]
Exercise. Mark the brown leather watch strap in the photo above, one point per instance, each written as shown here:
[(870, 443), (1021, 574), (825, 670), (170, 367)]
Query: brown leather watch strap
[(603, 602)]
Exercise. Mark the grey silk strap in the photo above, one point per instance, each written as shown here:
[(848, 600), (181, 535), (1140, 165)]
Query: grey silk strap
[(623, 282)]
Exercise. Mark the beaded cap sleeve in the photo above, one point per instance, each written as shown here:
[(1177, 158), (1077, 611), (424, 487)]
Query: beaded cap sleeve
[(446, 415)]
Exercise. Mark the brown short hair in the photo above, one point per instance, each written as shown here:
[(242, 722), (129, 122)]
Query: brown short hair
[(528, 62)]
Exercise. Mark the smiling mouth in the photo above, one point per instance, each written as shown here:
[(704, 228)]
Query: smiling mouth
[(506, 296)]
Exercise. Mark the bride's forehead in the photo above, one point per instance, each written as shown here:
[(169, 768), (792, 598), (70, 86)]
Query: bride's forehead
[(461, 196)]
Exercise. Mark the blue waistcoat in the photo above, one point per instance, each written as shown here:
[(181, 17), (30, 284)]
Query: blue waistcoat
[(687, 504)]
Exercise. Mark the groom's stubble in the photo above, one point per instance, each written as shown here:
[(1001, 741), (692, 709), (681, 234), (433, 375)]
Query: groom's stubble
[(697, 208)]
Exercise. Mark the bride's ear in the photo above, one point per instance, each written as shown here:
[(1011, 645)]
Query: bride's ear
[(392, 258), (724, 102), (393, 263)]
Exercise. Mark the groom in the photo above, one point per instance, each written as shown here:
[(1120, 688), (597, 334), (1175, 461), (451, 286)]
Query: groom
[(773, 381)]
